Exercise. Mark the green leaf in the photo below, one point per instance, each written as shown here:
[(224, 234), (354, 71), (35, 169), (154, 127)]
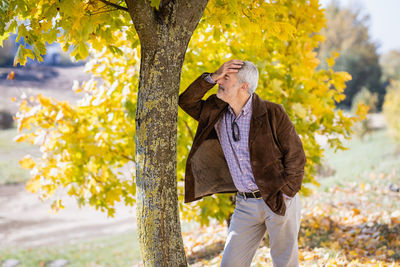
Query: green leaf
[(217, 35), (22, 55), (22, 31), (115, 50), (4, 37), (83, 50)]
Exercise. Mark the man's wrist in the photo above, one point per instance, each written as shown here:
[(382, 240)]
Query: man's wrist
[(209, 79), (213, 76)]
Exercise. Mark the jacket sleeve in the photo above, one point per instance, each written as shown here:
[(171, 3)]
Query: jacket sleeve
[(294, 158), (191, 99)]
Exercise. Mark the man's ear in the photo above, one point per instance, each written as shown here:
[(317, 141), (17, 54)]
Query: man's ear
[(244, 86)]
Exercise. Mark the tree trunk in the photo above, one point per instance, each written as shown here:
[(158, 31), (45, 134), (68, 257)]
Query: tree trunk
[(156, 147), (164, 36)]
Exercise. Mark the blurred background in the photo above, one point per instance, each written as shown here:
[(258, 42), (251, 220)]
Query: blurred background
[(365, 35)]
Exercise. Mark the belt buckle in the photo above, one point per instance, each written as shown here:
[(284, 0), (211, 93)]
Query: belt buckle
[(254, 195)]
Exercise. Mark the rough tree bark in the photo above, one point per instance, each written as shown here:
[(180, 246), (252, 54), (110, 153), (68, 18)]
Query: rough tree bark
[(164, 35)]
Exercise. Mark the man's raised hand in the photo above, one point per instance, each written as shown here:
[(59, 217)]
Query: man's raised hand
[(230, 66)]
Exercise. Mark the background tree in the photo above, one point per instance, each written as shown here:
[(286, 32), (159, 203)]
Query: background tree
[(369, 99), (84, 145), (391, 71), (347, 32), (391, 110), (390, 63)]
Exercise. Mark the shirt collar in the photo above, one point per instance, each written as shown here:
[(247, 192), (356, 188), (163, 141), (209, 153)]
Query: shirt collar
[(246, 108)]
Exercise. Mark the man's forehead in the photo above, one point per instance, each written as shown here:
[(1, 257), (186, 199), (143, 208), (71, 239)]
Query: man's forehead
[(232, 74)]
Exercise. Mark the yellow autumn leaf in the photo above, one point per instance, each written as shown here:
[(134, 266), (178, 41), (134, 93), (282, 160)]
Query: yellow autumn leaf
[(54, 207), (356, 211), (339, 97), (33, 185), (300, 110), (60, 204), (20, 138), (362, 110), (113, 195), (11, 76), (395, 220), (27, 162), (45, 101), (330, 61)]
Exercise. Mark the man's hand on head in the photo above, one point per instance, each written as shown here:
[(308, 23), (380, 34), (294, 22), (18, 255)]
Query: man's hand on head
[(230, 66)]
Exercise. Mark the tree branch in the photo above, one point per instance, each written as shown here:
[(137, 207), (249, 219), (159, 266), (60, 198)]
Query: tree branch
[(183, 15), (190, 12), (114, 5), (143, 19), (104, 11)]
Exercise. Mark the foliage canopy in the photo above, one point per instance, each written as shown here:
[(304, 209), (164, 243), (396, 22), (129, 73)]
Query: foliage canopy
[(82, 145)]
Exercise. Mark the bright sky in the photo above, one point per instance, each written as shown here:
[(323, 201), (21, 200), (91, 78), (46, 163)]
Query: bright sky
[(384, 20)]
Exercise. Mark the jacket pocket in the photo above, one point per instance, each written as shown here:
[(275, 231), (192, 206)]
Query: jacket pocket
[(273, 177)]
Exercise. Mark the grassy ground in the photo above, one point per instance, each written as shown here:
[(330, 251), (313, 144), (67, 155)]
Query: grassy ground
[(352, 219), (118, 250), (369, 165), (377, 153)]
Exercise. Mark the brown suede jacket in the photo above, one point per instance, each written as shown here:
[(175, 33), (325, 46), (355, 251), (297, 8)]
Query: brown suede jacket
[(276, 152)]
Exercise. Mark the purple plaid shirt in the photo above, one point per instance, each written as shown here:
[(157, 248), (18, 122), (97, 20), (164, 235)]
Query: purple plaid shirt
[(237, 153)]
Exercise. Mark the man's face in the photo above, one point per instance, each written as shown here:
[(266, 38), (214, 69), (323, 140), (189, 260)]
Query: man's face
[(228, 88)]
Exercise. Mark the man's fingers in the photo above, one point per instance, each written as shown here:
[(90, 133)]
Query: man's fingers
[(237, 64), (228, 67), (234, 68)]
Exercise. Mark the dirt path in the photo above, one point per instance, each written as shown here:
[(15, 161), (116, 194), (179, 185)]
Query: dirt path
[(25, 221)]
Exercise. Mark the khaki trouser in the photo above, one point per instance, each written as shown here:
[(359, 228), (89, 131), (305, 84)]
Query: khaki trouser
[(249, 221)]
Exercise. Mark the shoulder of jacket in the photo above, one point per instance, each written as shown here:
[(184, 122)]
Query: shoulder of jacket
[(213, 99), (273, 106)]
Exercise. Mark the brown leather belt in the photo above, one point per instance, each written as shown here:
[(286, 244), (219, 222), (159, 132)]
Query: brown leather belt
[(254, 194)]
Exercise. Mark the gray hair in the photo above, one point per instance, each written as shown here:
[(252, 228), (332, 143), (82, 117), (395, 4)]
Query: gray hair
[(248, 73)]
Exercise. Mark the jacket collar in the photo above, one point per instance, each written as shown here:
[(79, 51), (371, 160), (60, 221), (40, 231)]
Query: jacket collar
[(259, 108)]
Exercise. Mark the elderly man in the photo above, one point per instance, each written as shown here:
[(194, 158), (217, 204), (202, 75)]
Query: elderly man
[(249, 146)]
